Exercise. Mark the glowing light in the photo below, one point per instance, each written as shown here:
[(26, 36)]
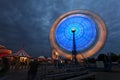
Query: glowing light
[(90, 34), (56, 53), (84, 28), (73, 30)]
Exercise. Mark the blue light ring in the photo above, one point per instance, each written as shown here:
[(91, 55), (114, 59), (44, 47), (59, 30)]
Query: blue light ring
[(65, 22)]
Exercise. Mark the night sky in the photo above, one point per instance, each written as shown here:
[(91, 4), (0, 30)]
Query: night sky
[(26, 23)]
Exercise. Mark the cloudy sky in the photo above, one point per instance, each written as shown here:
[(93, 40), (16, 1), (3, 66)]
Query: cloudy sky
[(26, 23)]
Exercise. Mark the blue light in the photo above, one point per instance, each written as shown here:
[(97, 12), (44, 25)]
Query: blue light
[(85, 34)]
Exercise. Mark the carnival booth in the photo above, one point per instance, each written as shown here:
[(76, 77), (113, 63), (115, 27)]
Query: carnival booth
[(20, 59), (49, 60), (4, 61), (4, 51), (41, 58), (22, 55)]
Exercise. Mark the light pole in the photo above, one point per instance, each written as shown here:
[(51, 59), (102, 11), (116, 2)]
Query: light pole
[(74, 52)]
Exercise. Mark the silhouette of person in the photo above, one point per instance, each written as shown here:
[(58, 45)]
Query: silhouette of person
[(32, 70), (6, 65)]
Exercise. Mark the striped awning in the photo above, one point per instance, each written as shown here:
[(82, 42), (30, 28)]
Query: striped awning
[(20, 53)]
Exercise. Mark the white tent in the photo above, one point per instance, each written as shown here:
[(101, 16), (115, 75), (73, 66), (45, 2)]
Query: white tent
[(49, 58), (41, 58)]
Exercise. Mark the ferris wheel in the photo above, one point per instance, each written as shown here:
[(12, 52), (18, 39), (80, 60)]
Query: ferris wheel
[(81, 31)]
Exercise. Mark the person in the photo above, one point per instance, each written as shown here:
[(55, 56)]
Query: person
[(32, 70), (6, 64)]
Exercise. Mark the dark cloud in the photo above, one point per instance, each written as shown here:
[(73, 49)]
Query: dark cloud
[(28, 22)]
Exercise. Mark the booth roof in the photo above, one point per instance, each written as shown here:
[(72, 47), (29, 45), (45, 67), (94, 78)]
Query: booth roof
[(21, 53), (2, 47), (49, 58), (41, 57)]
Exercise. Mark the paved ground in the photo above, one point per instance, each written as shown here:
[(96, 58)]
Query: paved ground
[(108, 76), (17, 75), (113, 75), (22, 75)]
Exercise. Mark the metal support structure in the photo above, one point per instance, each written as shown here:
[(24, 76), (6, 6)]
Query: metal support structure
[(74, 52)]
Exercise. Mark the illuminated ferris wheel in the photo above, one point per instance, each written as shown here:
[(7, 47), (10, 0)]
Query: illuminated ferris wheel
[(78, 32)]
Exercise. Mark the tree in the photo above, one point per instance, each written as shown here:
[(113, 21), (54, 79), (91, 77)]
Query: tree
[(113, 57), (102, 57)]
